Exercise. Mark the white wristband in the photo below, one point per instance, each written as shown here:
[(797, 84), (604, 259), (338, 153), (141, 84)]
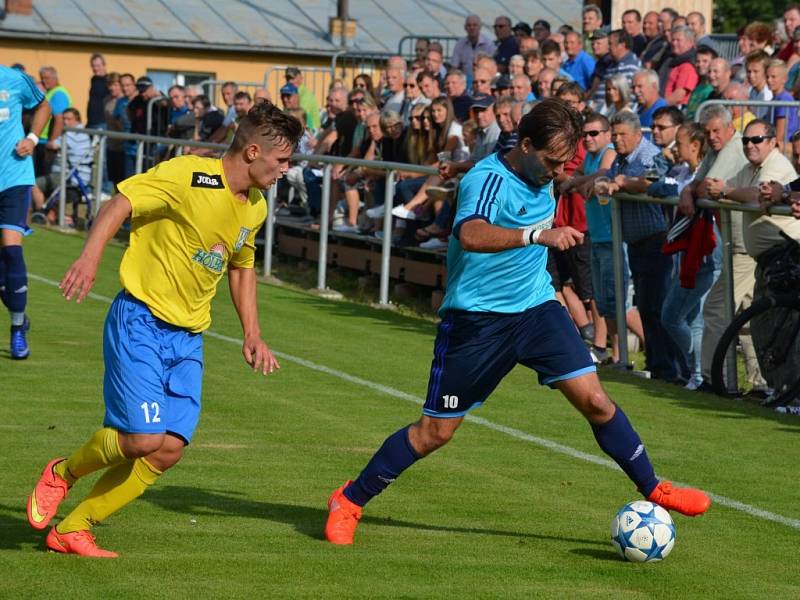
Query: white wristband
[(530, 235), (33, 137)]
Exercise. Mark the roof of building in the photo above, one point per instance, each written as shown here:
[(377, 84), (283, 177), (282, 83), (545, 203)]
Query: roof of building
[(293, 26)]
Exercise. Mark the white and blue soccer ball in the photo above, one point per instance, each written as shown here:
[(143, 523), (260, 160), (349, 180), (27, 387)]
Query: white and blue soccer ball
[(642, 532)]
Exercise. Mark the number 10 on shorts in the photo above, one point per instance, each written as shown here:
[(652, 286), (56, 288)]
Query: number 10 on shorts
[(148, 417), (450, 401)]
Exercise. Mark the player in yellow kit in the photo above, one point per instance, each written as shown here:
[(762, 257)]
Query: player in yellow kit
[(192, 219)]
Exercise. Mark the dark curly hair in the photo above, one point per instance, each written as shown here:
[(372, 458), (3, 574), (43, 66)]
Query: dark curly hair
[(267, 125)]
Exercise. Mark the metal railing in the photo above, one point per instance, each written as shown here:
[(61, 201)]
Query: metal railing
[(347, 65), (391, 169), (727, 261), (770, 104), (405, 46)]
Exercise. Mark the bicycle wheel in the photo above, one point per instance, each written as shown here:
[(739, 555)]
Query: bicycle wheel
[(774, 324)]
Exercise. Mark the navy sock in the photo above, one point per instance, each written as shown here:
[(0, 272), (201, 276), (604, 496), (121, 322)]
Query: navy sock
[(16, 281), (394, 457), (618, 439), (3, 275)]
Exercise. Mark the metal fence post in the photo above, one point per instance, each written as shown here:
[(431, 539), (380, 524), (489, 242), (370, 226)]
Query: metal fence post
[(99, 166), (139, 156), (62, 192), (322, 264), (386, 246), (620, 292), (727, 275), (269, 232)]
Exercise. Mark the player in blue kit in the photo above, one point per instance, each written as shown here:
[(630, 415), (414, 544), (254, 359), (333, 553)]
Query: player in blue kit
[(18, 92), (499, 311)]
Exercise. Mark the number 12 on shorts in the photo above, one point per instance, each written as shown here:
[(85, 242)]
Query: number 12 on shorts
[(450, 401), (146, 410)]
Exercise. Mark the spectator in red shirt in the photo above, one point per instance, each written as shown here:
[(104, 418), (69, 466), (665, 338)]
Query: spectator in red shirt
[(683, 77), (791, 21)]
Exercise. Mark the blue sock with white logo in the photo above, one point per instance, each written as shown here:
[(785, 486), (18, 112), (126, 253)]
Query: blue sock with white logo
[(15, 296), (394, 457), (620, 441)]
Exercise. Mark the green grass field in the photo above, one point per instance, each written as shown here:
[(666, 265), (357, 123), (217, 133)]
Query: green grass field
[(497, 513)]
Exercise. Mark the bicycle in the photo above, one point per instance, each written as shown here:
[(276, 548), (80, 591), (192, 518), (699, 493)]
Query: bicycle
[(774, 323)]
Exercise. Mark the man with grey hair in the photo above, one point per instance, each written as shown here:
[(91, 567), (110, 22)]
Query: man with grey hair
[(468, 47), (60, 100), (395, 77), (645, 89), (644, 229), (506, 43), (522, 89), (413, 96), (722, 163), (455, 87), (682, 77)]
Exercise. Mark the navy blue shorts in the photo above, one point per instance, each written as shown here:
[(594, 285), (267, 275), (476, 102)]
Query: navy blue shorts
[(15, 202), (474, 351)]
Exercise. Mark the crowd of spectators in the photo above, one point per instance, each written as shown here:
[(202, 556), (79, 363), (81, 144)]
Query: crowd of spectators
[(639, 87)]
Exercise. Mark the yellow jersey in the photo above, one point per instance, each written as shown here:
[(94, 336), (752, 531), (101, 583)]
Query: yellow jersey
[(186, 227)]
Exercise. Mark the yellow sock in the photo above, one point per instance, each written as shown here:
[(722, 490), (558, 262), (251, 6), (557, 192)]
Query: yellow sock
[(102, 450), (117, 487)]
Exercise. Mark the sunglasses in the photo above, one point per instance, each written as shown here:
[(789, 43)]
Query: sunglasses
[(594, 132), (755, 139), (410, 85)]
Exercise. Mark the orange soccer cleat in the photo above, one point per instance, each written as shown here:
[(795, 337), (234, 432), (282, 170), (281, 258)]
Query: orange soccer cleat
[(43, 502), (81, 543), (687, 501), (342, 519)]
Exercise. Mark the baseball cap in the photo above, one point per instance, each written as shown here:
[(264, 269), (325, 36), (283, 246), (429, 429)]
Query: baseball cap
[(541, 24), (502, 83), (522, 26), (598, 34), (289, 90), (292, 72), (143, 83), (482, 101)]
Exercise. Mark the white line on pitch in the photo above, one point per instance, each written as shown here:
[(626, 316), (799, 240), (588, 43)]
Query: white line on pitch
[(510, 431)]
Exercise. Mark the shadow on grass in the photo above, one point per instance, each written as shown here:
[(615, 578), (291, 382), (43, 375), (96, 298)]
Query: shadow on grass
[(305, 519), (727, 408), (597, 553), (15, 533)]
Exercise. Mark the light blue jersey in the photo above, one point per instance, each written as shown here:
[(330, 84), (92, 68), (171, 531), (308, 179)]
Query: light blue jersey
[(17, 92), (511, 281)]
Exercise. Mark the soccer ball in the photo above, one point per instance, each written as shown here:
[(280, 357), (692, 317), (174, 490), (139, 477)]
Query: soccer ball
[(642, 532)]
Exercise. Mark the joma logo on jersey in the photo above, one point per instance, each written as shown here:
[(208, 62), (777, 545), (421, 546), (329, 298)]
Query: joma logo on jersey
[(213, 260), (204, 180)]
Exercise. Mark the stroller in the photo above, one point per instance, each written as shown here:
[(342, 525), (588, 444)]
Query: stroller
[(78, 191)]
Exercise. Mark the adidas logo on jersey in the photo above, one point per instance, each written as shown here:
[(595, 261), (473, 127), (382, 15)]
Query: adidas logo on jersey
[(204, 180), (522, 211)]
